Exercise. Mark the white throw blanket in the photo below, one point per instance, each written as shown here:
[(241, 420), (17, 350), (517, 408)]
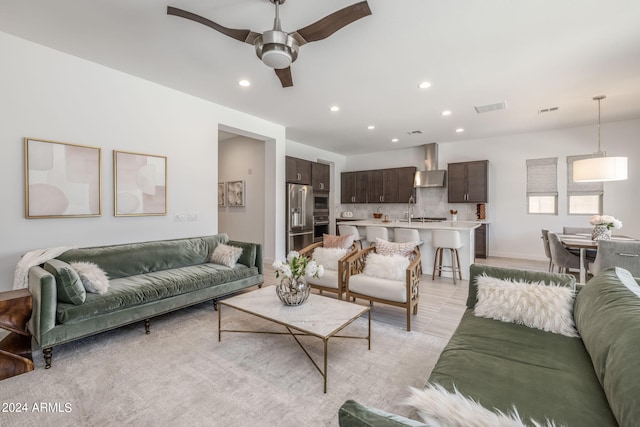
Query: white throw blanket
[(28, 260)]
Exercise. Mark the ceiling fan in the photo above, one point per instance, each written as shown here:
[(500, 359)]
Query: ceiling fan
[(276, 48)]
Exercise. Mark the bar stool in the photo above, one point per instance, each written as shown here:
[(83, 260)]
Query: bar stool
[(374, 232), (343, 230), (446, 239), (403, 235)]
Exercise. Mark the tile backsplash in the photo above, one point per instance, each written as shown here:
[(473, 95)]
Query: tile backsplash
[(430, 202)]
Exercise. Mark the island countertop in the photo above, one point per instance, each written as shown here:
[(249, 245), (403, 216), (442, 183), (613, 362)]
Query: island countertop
[(419, 225)]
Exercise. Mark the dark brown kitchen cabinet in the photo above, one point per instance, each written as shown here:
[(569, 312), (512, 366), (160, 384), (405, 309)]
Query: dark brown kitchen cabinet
[(468, 182), (353, 187), (482, 244), (393, 185), (320, 173), (298, 171)]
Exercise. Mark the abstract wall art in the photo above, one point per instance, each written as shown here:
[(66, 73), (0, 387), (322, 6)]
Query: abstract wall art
[(62, 180), (140, 184), (235, 193), (221, 194)]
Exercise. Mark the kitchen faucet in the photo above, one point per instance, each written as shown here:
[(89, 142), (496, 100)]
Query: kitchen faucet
[(410, 209)]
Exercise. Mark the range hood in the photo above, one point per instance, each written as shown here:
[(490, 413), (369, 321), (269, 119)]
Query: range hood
[(431, 177)]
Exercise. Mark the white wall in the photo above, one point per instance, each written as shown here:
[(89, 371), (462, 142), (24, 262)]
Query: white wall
[(242, 158), (514, 233), (50, 95)]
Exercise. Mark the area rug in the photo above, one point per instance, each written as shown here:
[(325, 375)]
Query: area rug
[(181, 375)]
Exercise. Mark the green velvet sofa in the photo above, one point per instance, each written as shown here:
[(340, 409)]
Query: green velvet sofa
[(591, 380), (145, 280)]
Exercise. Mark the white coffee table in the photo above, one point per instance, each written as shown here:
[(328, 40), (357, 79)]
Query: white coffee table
[(319, 316)]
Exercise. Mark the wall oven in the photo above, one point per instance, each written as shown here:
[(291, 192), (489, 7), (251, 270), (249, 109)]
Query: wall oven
[(321, 204), (320, 227)]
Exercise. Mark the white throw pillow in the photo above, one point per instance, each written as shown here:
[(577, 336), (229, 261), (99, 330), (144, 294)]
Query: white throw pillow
[(391, 267), (536, 305), (328, 257), (438, 407), (226, 255), (93, 278)]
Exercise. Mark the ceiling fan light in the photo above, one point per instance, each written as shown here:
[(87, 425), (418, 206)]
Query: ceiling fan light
[(276, 56), (597, 169)]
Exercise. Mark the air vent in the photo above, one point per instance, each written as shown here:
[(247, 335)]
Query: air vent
[(548, 110), (415, 132), (491, 107)]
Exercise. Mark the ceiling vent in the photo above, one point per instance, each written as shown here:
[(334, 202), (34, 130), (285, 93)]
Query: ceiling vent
[(548, 110), (491, 107), (415, 132)]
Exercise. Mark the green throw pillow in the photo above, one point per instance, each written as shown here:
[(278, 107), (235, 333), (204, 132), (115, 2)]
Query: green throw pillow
[(68, 283)]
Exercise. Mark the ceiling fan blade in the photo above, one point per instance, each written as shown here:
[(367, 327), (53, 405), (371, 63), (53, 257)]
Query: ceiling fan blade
[(284, 75), (246, 36), (331, 23)]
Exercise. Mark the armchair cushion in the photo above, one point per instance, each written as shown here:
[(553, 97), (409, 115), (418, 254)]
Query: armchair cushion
[(391, 267), (329, 257), (328, 280), (343, 242), (390, 290)]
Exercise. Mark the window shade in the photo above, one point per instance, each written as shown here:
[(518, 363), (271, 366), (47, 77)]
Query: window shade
[(542, 177)]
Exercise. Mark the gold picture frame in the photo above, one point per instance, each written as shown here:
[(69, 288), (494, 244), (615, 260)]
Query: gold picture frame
[(139, 184), (62, 180)]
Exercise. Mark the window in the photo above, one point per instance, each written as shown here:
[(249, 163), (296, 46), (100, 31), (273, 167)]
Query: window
[(542, 186), (583, 198)]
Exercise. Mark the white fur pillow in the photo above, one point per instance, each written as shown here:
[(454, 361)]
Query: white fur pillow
[(391, 267), (328, 257), (437, 407), (226, 255), (536, 305), (93, 278)]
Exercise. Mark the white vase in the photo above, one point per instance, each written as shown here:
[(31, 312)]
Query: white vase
[(601, 232)]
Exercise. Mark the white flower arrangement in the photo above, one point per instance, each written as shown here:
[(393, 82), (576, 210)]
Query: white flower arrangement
[(297, 266), (606, 220)]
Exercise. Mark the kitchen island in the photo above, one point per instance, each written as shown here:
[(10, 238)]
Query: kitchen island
[(427, 251)]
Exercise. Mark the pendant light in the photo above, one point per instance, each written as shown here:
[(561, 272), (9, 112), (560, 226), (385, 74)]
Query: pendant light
[(600, 167)]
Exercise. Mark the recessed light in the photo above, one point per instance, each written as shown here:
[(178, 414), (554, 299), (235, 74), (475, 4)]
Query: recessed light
[(446, 113), (394, 140), (334, 108), (424, 85), (371, 127), (459, 130), (244, 83)]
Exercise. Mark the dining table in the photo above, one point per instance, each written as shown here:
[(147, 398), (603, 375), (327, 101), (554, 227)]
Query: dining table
[(582, 242)]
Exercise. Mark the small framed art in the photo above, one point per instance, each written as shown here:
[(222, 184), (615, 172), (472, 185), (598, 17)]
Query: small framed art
[(221, 194), (235, 193)]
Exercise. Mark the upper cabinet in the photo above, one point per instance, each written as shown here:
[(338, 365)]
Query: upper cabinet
[(468, 182), (298, 171), (353, 187), (320, 173), (378, 186)]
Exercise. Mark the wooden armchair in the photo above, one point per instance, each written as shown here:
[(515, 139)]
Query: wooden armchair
[(401, 293), (333, 280)]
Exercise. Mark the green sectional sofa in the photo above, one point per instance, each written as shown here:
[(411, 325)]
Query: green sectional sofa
[(145, 280), (590, 380)]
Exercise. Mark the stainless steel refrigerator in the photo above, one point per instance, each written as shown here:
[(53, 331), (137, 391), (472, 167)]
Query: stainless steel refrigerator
[(299, 216)]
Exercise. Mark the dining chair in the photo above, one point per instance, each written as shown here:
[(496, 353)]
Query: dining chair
[(343, 230), (613, 253), (560, 256), (547, 250)]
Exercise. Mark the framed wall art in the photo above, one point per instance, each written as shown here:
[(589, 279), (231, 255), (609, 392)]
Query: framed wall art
[(221, 194), (235, 193), (139, 184), (62, 180)]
